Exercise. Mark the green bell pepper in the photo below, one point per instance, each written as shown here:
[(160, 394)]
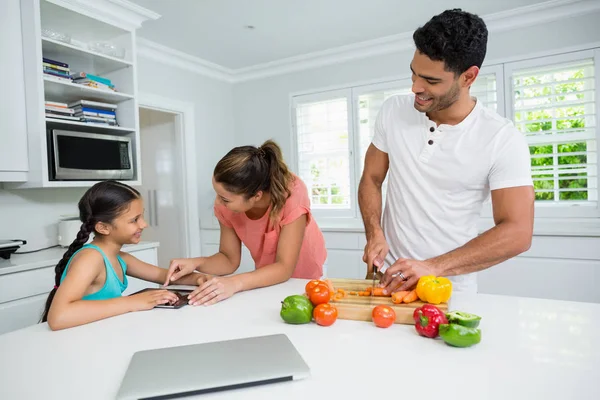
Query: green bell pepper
[(463, 318), (459, 336)]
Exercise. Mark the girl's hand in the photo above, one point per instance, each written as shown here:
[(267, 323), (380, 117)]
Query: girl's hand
[(179, 268), (151, 298), (214, 290)]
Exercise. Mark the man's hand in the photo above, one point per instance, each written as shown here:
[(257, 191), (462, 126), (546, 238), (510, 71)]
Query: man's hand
[(404, 275), (375, 252)]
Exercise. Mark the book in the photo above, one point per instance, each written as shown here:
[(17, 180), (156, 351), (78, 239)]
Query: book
[(56, 104), (62, 117), (54, 66), (93, 104), (60, 110), (57, 72), (60, 64), (85, 75)]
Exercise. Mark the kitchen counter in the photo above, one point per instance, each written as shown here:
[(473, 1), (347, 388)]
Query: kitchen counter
[(44, 258), (530, 349)]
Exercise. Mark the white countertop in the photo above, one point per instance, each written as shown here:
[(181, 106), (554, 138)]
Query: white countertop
[(45, 258), (530, 349)]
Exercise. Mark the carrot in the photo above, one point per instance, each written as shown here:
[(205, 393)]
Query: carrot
[(352, 293), (409, 298), (398, 296), (379, 292), (342, 292)]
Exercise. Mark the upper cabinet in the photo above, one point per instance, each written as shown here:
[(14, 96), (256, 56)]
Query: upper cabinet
[(13, 118), (78, 65)]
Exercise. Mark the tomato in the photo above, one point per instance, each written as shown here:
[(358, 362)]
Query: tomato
[(383, 316), (325, 314), (319, 294), (310, 285)]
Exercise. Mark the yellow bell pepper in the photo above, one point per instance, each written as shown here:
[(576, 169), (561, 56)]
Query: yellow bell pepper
[(434, 289)]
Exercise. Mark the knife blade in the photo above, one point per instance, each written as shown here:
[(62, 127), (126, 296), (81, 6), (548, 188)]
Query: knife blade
[(373, 284)]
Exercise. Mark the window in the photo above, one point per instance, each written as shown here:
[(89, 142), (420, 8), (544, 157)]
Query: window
[(553, 104), (551, 100), (323, 148)]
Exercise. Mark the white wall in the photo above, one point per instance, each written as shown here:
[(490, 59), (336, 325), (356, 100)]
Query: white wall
[(32, 214)]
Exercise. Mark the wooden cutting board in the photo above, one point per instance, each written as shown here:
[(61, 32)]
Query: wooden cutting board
[(359, 308)]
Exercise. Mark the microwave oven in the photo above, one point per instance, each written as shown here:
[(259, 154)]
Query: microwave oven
[(89, 156)]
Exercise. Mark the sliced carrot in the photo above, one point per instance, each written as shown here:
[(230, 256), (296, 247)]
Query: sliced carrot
[(368, 289), (409, 298), (342, 292), (398, 296), (352, 293)]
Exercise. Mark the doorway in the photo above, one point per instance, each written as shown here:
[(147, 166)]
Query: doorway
[(169, 186)]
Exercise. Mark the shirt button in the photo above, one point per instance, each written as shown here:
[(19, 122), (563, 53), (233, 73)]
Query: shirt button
[(430, 141), (432, 129)]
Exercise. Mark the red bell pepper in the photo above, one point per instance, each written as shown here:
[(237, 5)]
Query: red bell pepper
[(428, 319)]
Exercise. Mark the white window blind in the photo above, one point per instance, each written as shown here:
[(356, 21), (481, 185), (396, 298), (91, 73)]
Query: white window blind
[(486, 91), (555, 107), (323, 152)]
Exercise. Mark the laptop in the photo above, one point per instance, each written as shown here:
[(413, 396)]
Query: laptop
[(196, 369)]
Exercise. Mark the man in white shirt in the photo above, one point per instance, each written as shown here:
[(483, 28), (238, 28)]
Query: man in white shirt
[(444, 154)]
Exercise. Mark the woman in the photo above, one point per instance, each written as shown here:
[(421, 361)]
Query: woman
[(262, 204)]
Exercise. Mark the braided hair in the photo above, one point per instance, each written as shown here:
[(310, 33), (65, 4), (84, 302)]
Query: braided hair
[(103, 202)]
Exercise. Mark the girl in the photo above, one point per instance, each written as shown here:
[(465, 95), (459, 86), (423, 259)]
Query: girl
[(261, 204), (91, 278)]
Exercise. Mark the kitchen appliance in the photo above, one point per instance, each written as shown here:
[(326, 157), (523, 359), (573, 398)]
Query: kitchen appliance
[(360, 308), (8, 247), (89, 156), (68, 228)]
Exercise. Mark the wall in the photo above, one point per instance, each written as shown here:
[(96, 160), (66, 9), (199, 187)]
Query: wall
[(32, 214), (559, 267)]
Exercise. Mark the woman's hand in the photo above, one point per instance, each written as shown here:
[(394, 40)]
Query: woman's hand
[(214, 290), (179, 268), (150, 299)]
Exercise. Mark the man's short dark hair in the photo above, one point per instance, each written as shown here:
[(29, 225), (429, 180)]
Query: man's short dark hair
[(456, 37)]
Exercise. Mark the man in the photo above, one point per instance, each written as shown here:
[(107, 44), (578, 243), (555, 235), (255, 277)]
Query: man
[(445, 153)]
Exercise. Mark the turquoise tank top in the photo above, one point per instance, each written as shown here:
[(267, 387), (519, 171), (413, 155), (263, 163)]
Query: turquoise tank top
[(113, 287)]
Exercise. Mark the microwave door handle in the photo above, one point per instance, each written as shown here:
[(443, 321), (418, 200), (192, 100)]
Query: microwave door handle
[(150, 207), (155, 205)]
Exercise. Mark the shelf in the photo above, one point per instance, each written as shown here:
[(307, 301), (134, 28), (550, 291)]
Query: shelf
[(101, 62), (94, 128), (68, 92)]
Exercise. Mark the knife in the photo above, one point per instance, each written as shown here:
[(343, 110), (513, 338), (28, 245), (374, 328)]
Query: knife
[(373, 284)]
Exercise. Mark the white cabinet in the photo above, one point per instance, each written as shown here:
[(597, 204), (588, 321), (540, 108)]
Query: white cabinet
[(149, 256), (13, 118), (23, 293)]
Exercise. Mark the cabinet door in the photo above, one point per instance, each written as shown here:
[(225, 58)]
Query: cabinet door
[(149, 256), (13, 132), (21, 313)]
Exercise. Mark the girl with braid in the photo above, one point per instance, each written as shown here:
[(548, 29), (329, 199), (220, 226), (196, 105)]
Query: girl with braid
[(261, 204), (90, 278)]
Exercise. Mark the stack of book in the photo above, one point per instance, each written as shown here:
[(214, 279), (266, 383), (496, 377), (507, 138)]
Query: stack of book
[(95, 81), (95, 112), (56, 70), (59, 111)]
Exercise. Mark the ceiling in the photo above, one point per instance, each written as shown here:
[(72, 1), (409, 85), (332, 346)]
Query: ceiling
[(214, 30)]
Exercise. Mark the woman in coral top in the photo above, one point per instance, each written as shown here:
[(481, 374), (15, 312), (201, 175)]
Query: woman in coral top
[(262, 204)]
